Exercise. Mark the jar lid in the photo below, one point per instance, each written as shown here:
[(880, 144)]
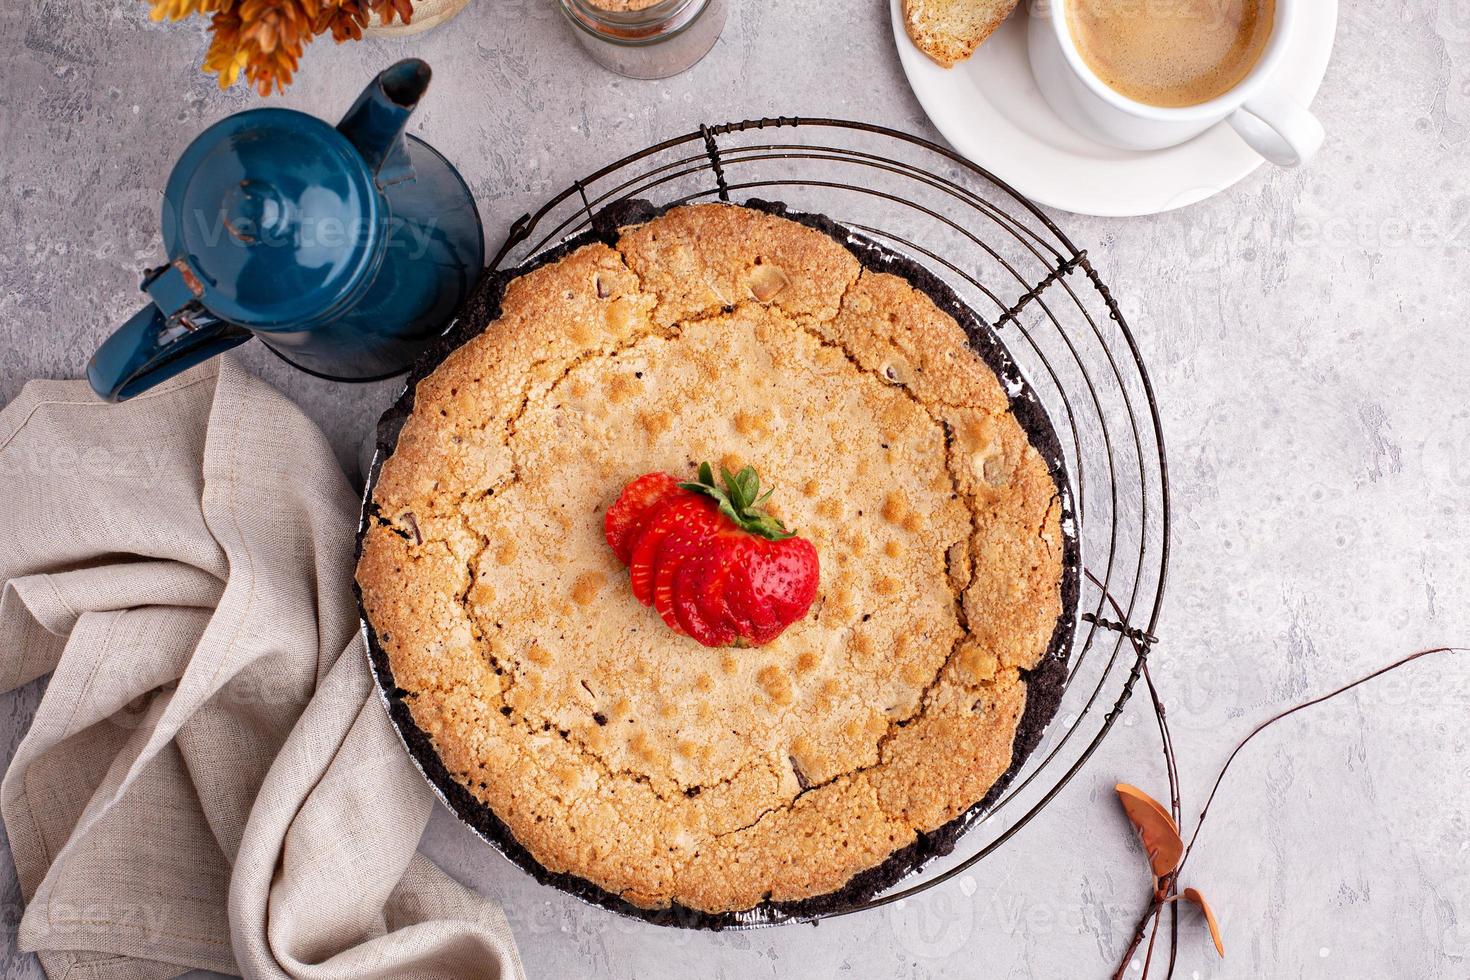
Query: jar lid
[(276, 214)]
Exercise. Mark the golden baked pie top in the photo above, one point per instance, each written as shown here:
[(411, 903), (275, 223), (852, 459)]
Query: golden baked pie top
[(613, 749)]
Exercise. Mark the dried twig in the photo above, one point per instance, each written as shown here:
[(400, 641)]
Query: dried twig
[(1166, 885), (1291, 711), (1165, 892)]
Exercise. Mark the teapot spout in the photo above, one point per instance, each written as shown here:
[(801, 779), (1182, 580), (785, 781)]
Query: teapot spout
[(376, 121)]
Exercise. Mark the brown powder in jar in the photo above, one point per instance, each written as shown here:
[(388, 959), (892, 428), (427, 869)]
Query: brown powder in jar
[(641, 38), (623, 6)]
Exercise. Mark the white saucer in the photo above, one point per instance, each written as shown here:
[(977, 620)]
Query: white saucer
[(990, 110)]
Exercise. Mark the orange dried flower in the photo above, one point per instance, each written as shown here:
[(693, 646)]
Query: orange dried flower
[(263, 40)]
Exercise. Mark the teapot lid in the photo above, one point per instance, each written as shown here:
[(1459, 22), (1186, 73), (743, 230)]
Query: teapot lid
[(276, 214)]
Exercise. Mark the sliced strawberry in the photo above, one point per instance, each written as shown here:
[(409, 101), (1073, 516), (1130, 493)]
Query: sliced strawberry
[(667, 517), (634, 504), (715, 588), (756, 619), (685, 542), (688, 608), (710, 580), (713, 563), (786, 576), (772, 585)]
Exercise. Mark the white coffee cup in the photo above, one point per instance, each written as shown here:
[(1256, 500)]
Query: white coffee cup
[(1274, 125)]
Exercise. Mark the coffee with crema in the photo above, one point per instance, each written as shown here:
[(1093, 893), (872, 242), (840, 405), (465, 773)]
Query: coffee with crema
[(1171, 53)]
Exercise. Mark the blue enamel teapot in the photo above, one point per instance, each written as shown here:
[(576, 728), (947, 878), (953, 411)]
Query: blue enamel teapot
[(346, 250)]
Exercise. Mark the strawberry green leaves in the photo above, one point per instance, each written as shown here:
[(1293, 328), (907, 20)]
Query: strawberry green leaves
[(740, 500)]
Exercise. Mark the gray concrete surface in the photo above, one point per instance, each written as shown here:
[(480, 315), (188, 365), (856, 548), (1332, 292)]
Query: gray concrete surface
[(1306, 333)]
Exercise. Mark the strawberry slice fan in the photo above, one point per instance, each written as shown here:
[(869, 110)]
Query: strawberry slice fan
[(710, 559), (1034, 307)]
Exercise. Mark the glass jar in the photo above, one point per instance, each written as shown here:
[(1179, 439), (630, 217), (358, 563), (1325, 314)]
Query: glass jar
[(646, 38)]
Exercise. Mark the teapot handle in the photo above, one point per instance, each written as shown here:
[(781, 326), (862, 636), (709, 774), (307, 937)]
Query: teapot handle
[(150, 348)]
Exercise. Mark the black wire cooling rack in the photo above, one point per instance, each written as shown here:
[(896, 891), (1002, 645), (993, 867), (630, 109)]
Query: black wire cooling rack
[(1042, 297)]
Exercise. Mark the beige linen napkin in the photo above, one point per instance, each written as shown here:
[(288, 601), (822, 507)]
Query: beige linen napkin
[(209, 780)]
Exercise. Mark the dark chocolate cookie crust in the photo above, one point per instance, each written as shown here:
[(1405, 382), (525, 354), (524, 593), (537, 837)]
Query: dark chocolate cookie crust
[(1044, 684)]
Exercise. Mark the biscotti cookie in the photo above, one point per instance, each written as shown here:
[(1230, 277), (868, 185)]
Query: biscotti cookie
[(949, 31)]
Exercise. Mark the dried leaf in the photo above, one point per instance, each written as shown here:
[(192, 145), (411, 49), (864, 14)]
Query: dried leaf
[(1193, 895), (1156, 828)]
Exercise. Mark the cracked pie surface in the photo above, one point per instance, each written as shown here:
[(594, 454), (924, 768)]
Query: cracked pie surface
[(611, 749)]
